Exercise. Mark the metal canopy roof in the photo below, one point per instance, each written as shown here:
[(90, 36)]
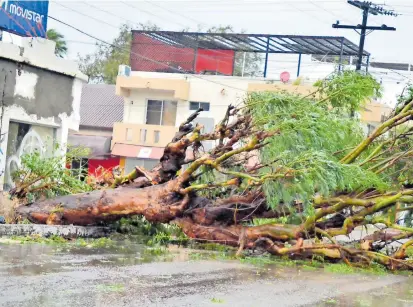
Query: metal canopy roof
[(258, 43)]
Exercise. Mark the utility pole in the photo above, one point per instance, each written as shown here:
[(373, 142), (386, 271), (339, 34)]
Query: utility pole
[(367, 8)]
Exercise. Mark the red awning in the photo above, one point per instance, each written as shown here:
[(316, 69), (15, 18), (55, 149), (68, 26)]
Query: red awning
[(136, 151)]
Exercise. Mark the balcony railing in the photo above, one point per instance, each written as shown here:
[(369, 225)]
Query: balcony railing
[(143, 135)]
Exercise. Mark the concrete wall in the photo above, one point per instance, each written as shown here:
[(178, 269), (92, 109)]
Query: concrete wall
[(37, 88), (92, 131)]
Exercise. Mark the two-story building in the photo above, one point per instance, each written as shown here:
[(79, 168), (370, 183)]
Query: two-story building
[(155, 104)]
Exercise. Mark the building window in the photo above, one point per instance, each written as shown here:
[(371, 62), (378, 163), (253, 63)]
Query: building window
[(79, 168), (143, 135), (129, 134), (194, 105), (156, 136), (161, 112)]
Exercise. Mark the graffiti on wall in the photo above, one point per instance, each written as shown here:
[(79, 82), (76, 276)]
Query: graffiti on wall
[(25, 139)]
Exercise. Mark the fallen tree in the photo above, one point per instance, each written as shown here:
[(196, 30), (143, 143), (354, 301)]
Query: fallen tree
[(287, 174)]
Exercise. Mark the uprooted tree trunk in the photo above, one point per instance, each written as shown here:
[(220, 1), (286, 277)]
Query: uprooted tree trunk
[(166, 195)]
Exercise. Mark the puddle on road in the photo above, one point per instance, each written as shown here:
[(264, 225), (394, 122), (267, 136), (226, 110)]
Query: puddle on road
[(35, 259), (40, 259), (396, 295)]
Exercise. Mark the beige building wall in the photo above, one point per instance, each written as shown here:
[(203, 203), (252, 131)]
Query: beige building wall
[(297, 89), (374, 112), (136, 103)]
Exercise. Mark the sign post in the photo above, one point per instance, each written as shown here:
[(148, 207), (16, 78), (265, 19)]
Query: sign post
[(24, 18)]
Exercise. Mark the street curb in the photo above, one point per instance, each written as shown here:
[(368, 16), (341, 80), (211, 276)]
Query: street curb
[(65, 231)]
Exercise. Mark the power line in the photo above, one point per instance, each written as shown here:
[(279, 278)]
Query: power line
[(152, 14), (173, 12), (113, 26), (141, 56), (301, 10), (367, 8), (328, 11), (99, 20), (81, 13), (107, 12)]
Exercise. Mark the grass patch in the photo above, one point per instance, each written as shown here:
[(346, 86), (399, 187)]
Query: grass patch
[(54, 239), (217, 300), (331, 302), (272, 260), (111, 287), (39, 239), (212, 256), (95, 243), (313, 265), (213, 247), (342, 268), (155, 251)]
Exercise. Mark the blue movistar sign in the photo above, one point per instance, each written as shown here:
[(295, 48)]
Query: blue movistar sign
[(25, 18)]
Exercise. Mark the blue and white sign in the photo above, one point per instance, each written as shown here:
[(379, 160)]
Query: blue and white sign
[(25, 18)]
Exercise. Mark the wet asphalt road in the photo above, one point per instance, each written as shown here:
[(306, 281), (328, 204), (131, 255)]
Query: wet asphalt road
[(41, 275)]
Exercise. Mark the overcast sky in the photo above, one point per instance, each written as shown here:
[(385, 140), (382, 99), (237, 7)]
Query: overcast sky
[(304, 17)]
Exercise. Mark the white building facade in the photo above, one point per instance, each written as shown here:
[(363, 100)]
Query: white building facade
[(39, 102)]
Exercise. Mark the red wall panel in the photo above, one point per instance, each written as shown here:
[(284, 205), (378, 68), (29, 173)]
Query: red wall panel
[(149, 54), (215, 60), (107, 164)]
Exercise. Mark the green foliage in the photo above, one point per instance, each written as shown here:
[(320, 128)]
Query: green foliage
[(406, 95), (55, 239), (349, 90), (303, 123), (308, 148), (213, 247), (111, 287), (59, 39), (217, 300), (342, 268), (155, 251), (39, 239), (47, 176), (101, 243), (259, 221), (156, 233)]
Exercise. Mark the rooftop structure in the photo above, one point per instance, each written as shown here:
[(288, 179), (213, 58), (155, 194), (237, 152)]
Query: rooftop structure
[(197, 52)]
